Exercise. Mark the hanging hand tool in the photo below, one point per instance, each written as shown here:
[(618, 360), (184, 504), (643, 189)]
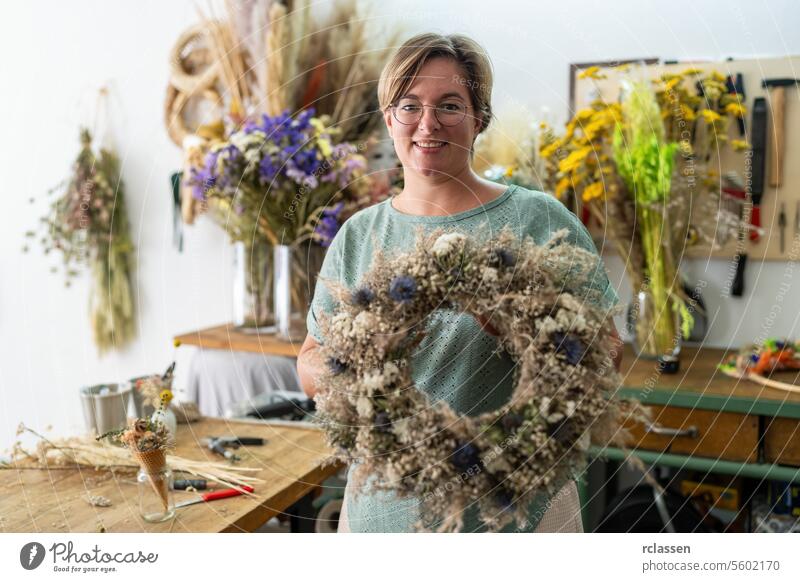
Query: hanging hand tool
[(758, 140), (782, 226), (777, 99), (735, 87), (212, 495), (733, 198), (734, 194), (797, 221)]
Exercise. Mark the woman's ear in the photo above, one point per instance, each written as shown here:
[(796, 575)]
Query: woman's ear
[(387, 119), (478, 122)]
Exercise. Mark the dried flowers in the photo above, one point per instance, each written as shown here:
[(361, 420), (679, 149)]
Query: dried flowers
[(277, 177), (142, 435)]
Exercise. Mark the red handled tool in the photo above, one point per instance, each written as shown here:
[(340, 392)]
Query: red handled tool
[(213, 495)]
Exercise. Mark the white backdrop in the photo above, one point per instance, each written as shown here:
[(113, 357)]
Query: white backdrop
[(56, 54)]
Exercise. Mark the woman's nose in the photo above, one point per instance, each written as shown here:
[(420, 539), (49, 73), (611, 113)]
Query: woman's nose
[(428, 121)]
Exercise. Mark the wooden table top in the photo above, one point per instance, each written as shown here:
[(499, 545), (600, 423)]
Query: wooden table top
[(291, 462), (227, 337)]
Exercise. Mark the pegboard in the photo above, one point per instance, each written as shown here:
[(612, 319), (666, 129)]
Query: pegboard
[(788, 194)]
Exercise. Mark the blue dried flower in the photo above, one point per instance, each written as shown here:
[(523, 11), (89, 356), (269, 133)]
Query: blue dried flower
[(362, 297), (403, 289), (571, 346), (512, 421), (466, 456), (456, 274), (382, 422), (205, 178), (336, 366), (504, 498), (564, 432), (329, 224), (506, 258), (267, 170), (502, 258)]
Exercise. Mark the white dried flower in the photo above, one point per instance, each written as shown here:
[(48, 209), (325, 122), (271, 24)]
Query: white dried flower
[(244, 141), (363, 324), (373, 381), (341, 324), (547, 325), (489, 275), (391, 372), (497, 463), (544, 410), (364, 407), (402, 430), (448, 244), (253, 156)]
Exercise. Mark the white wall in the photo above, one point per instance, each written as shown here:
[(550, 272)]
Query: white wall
[(55, 57), (56, 54)]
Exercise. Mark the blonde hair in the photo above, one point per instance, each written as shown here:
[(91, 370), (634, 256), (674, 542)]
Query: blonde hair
[(405, 64)]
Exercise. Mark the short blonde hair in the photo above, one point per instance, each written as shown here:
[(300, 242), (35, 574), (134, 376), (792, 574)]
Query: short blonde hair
[(404, 66)]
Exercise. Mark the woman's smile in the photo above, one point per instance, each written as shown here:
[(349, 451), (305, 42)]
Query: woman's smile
[(429, 146)]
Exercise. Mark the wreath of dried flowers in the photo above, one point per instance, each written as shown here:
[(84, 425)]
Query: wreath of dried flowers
[(565, 381)]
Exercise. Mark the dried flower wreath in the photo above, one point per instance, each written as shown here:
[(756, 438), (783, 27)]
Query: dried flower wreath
[(539, 299)]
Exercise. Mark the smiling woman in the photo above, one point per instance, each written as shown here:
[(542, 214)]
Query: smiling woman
[(435, 95)]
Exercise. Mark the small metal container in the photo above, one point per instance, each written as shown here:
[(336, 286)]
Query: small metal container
[(105, 407)]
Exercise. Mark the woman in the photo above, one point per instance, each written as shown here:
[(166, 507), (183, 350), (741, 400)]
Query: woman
[(435, 96)]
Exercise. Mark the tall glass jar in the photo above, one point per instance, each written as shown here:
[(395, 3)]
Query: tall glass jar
[(155, 494), (253, 286), (655, 330), (296, 271)]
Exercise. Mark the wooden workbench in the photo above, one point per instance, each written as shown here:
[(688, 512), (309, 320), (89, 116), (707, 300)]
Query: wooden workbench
[(741, 428), (291, 463)]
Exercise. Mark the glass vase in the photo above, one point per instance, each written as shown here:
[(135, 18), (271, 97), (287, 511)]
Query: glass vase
[(296, 271), (655, 330), (253, 287), (155, 494)]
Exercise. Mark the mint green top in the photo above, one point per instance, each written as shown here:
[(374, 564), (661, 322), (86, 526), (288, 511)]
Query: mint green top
[(455, 361)]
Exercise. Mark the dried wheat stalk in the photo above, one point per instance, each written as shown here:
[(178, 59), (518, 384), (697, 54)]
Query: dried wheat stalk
[(85, 451)]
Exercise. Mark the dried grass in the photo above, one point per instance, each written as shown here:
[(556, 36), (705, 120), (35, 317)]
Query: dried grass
[(85, 451)]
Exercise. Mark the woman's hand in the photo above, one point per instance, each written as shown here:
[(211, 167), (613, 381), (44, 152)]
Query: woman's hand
[(486, 326), (309, 366), (616, 347), (616, 342)]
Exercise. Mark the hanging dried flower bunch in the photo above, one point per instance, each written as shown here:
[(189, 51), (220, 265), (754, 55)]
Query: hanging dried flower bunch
[(88, 225)]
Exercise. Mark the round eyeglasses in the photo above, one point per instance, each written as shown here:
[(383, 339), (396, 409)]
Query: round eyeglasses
[(408, 111)]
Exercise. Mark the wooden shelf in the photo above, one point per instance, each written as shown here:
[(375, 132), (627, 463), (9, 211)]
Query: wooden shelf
[(228, 337)]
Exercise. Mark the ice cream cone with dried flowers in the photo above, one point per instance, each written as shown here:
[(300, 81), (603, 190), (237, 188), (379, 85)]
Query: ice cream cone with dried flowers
[(148, 441)]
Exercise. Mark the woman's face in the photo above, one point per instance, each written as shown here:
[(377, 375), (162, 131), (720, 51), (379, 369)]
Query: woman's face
[(427, 146)]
